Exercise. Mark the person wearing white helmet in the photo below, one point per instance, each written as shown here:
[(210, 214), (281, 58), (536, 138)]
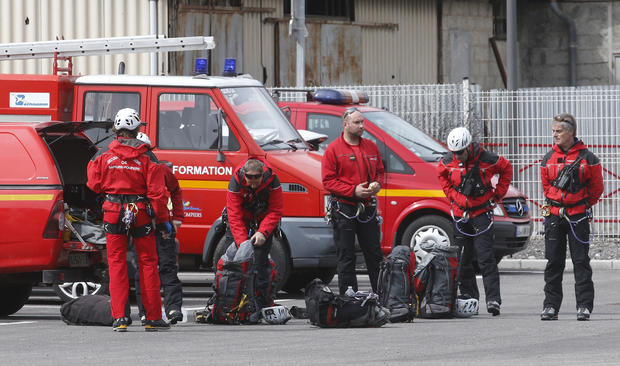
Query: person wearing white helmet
[(465, 176), (167, 248), (129, 177)]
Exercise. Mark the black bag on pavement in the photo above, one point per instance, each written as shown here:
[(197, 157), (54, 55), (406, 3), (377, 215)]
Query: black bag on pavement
[(395, 284), (437, 275), (88, 310), (328, 310), (234, 300)]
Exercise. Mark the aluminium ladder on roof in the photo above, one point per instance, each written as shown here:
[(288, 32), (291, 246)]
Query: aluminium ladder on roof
[(102, 46)]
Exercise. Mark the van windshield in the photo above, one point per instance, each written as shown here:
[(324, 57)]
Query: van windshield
[(421, 144), (263, 119)]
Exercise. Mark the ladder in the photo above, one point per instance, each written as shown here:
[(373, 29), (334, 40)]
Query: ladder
[(102, 46)]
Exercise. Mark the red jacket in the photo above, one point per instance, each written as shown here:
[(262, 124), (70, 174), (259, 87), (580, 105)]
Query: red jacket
[(172, 185), (451, 172), (342, 171), (590, 179), (128, 167), (245, 206)]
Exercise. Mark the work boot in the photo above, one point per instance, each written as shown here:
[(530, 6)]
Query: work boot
[(549, 313), (156, 325), (583, 314), (175, 316), (493, 307), (120, 324)]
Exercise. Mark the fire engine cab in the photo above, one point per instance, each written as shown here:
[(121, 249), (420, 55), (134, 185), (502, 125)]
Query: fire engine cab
[(205, 126)]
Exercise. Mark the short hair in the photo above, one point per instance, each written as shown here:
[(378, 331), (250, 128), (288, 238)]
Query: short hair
[(567, 121), (253, 165), (348, 112), (123, 132)]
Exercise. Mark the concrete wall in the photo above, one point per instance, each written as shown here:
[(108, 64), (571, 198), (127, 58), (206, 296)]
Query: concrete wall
[(543, 43), (466, 27)]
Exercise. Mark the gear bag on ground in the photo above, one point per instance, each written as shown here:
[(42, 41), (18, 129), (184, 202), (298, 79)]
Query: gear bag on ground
[(234, 298), (436, 285), (328, 310), (87, 310), (395, 286)]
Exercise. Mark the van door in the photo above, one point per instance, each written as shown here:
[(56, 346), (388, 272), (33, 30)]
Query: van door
[(184, 131)]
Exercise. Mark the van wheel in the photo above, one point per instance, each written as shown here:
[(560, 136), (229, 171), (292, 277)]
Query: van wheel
[(279, 255), (299, 279), (13, 298), (72, 290), (434, 228)]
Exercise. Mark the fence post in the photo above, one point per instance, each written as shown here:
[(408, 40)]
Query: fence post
[(466, 103)]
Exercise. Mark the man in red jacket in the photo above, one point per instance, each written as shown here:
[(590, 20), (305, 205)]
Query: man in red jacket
[(465, 176), (167, 248), (572, 181), (254, 207), (352, 172), (130, 178)]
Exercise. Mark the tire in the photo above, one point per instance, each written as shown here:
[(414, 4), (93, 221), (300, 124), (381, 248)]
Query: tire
[(72, 290), (300, 278), (13, 298), (279, 255), (430, 227)]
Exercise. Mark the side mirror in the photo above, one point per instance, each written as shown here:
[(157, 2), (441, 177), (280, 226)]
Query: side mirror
[(313, 139), (286, 110)]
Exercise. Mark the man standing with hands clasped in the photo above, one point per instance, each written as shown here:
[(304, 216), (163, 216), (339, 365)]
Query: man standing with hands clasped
[(352, 172), (572, 181)]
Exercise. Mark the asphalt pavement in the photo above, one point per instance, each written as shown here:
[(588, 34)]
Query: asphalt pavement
[(36, 335)]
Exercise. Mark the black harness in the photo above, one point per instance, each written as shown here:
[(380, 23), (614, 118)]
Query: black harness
[(128, 203)]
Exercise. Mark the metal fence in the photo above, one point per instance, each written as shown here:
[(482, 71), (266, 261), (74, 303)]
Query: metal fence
[(517, 125)]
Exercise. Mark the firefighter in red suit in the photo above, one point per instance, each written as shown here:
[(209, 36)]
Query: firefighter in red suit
[(132, 181), (572, 181), (465, 176), (254, 207), (352, 172)]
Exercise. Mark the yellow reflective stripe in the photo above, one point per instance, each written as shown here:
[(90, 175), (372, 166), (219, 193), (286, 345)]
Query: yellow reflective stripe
[(411, 193), (26, 197), (212, 184)]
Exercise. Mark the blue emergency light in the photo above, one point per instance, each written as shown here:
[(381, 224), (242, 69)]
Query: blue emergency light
[(230, 67), (337, 96), (201, 65)]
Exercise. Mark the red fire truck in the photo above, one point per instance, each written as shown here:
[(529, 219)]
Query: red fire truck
[(412, 203), (205, 126)]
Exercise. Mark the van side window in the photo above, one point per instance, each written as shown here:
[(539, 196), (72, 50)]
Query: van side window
[(391, 162), (189, 121), (327, 124), (102, 106)]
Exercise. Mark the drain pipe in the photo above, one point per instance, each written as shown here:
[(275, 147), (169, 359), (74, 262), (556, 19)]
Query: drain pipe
[(572, 41), (153, 30)]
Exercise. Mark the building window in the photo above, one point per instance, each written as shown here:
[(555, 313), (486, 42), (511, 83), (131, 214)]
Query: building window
[(499, 19), (343, 9)]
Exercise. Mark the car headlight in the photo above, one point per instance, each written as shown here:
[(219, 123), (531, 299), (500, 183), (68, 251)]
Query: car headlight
[(497, 211)]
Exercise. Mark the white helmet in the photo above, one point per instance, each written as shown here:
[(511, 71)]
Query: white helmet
[(466, 308), (127, 118), (144, 138), (459, 139), (276, 314)]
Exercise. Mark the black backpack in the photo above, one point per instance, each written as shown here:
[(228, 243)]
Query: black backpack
[(395, 284), (328, 310), (87, 310), (234, 300), (437, 274)]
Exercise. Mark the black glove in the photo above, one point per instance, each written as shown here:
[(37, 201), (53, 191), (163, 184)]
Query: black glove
[(164, 227)]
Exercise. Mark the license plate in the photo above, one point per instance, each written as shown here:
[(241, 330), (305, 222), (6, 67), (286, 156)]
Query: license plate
[(523, 231), (78, 260)]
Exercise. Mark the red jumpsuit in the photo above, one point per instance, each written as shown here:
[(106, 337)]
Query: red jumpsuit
[(128, 176)]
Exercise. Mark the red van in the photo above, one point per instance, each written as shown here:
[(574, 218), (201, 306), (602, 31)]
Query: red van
[(42, 179), (413, 205)]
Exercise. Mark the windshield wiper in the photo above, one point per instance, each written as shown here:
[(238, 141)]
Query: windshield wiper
[(272, 142)]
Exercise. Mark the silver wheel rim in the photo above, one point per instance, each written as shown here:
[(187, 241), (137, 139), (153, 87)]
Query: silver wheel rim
[(77, 289), (431, 233)]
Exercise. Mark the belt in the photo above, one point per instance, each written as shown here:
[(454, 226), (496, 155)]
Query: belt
[(353, 202), (551, 202), (125, 198)]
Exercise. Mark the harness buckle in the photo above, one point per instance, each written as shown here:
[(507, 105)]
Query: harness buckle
[(545, 210)]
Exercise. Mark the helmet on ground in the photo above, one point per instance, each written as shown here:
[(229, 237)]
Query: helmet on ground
[(144, 138), (466, 307), (459, 138), (127, 118), (276, 314)]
